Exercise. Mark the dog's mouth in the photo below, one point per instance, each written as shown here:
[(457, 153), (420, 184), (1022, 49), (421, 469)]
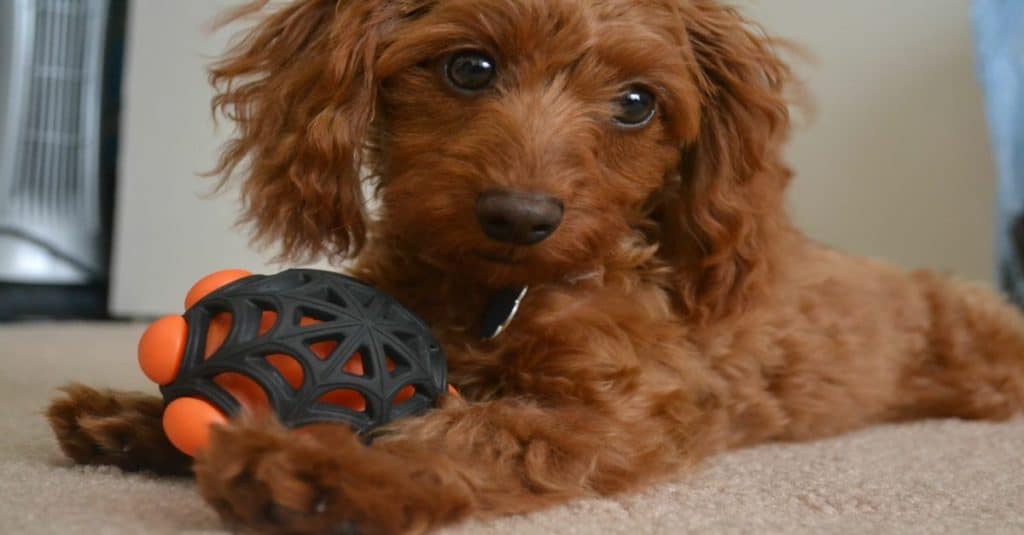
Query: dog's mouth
[(507, 258)]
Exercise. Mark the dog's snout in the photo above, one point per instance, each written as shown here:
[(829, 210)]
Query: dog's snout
[(519, 218)]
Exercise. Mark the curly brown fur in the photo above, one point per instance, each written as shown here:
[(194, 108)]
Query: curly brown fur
[(116, 428), (674, 314)]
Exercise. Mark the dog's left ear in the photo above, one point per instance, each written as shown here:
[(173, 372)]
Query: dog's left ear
[(301, 90), (720, 220)]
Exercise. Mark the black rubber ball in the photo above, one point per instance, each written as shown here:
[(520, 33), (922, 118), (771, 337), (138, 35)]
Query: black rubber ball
[(320, 346)]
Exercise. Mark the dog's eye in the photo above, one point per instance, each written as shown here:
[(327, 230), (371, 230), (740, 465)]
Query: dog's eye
[(635, 107), (470, 71)]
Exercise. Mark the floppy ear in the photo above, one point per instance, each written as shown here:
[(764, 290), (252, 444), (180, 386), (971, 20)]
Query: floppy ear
[(301, 89), (722, 219)]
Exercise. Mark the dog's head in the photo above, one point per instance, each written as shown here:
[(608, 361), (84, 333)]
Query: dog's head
[(514, 141)]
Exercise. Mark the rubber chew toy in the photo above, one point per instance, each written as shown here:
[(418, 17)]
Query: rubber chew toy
[(311, 346)]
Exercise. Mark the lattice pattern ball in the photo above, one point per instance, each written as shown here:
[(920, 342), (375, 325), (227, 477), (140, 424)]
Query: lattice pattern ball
[(312, 346)]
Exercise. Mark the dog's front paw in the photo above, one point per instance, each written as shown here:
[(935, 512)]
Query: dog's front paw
[(123, 429), (261, 476)]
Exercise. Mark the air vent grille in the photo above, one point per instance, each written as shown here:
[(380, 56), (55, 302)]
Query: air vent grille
[(51, 182)]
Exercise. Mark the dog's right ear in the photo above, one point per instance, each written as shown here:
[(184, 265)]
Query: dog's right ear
[(722, 221), (301, 90)]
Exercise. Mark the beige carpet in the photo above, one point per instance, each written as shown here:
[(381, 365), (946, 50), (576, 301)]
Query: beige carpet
[(932, 477)]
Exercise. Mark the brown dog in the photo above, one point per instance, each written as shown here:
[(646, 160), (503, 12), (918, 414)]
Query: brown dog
[(622, 159)]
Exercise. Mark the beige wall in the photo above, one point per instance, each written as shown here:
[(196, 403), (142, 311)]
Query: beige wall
[(895, 165), (168, 231), (897, 162)]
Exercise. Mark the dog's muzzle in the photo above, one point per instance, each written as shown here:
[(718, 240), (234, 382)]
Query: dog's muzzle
[(518, 218)]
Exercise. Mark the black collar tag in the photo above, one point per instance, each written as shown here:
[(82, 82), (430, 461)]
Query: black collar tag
[(500, 311)]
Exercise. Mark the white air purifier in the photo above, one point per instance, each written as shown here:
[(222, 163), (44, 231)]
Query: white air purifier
[(51, 103), (60, 86)]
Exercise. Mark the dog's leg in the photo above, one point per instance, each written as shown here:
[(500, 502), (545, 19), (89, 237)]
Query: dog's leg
[(463, 460), (108, 427), (974, 363), (611, 399)]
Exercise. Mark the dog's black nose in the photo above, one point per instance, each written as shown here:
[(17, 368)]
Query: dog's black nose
[(520, 218)]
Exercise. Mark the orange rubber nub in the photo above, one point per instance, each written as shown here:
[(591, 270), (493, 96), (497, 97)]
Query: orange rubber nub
[(247, 392), (289, 368), (345, 398), (212, 282), (187, 423), (267, 320), (354, 366), (161, 349), (216, 333)]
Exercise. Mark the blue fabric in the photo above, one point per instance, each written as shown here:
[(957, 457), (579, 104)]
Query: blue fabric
[(999, 33)]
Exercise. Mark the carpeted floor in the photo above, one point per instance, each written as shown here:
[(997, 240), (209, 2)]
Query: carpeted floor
[(929, 477)]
